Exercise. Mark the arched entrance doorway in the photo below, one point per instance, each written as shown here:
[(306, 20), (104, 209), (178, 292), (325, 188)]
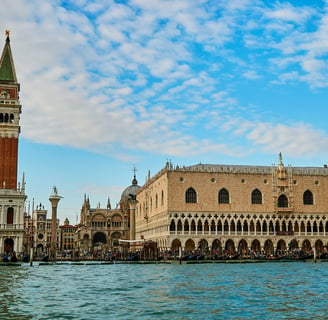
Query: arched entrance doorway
[(99, 237), (243, 247), (217, 247), (230, 246), (176, 244), (256, 246), (319, 247), (293, 245), (306, 247), (203, 246), (99, 241), (8, 245), (190, 245), (268, 248), (116, 236), (281, 247), (39, 250)]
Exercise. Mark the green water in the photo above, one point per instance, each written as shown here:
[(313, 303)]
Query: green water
[(296, 290)]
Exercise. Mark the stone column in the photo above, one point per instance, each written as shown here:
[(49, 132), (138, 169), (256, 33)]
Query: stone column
[(54, 199), (2, 218), (132, 208)]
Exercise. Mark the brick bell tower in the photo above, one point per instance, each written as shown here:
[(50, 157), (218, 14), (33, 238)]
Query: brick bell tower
[(10, 110), (12, 193)]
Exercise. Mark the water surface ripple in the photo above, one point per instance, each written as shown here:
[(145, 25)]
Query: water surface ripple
[(165, 291)]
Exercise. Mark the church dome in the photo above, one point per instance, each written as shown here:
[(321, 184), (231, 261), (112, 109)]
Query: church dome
[(130, 191)]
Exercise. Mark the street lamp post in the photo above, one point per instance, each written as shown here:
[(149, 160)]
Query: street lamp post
[(54, 199)]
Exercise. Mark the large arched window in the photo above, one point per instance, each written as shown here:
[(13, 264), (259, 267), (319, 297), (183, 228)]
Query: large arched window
[(307, 197), (10, 215), (223, 196), (172, 225), (282, 201), (191, 196), (186, 226), (193, 225), (117, 221), (256, 197)]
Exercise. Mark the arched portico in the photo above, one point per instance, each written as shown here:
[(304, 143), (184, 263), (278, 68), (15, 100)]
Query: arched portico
[(256, 246), (176, 244), (189, 245), (268, 247), (293, 244), (281, 246), (319, 247), (99, 237), (306, 246), (243, 247), (217, 247), (230, 246), (203, 245)]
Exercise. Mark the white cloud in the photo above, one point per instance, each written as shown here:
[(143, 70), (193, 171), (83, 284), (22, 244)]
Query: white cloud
[(251, 74), (287, 12), (158, 76), (295, 140), (313, 65)]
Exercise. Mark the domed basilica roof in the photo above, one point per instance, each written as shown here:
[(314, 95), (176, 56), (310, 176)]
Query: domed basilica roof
[(130, 191)]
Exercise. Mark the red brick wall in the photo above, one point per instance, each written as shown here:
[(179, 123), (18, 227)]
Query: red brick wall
[(8, 162)]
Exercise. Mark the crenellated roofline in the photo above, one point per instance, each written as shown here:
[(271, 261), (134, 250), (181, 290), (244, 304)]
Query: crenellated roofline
[(235, 169)]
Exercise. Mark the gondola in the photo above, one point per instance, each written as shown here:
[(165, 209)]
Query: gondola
[(25, 258), (45, 259)]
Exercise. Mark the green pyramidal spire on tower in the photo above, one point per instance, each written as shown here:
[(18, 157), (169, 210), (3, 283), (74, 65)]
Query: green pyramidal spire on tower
[(7, 69)]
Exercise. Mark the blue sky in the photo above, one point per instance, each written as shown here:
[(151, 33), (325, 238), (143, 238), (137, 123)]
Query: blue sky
[(106, 85)]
